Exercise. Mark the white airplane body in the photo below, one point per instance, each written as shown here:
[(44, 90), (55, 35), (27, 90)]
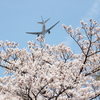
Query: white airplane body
[(44, 31)]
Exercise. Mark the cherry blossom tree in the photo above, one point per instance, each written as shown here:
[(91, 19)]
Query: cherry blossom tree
[(52, 72)]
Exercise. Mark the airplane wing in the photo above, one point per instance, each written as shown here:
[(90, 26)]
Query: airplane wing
[(52, 27), (35, 33)]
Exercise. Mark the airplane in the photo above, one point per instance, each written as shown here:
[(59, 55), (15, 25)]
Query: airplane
[(44, 30)]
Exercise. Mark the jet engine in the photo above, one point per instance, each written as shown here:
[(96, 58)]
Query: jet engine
[(48, 32)]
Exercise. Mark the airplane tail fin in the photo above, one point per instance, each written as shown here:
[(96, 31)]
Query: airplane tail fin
[(43, 21)]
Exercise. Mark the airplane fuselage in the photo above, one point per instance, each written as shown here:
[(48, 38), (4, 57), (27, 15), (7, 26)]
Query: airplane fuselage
[(43, 29)]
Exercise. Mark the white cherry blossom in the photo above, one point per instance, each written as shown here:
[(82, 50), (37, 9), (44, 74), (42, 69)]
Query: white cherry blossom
[(52, 72)]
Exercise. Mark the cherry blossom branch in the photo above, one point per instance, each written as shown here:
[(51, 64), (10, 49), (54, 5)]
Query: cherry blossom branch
[(94, 97), (93, 71)]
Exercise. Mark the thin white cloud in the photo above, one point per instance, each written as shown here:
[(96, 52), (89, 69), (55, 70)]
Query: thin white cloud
[(93, 11)]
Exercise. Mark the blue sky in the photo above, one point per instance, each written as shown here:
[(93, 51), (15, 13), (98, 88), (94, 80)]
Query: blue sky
[(20, 16)]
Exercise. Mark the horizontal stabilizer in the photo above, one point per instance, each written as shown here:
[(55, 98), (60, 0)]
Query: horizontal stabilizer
[(40, 22), (43, 22), (47, 20)]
